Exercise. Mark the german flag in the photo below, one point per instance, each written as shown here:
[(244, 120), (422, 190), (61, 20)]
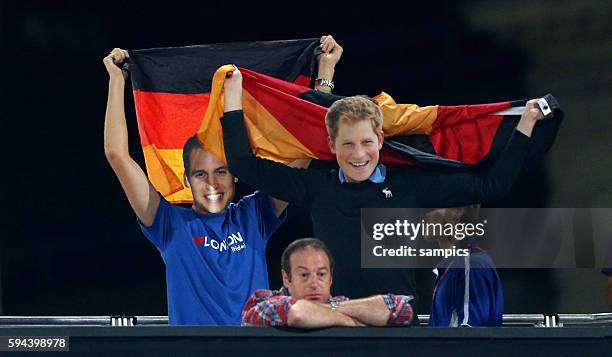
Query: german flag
[(285, 120), (171, 88)]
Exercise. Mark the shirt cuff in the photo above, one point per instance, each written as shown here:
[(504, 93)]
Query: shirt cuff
[(232, 113)]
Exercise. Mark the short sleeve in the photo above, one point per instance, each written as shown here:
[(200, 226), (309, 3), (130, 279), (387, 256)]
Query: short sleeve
[(160, 231), (261, 207)]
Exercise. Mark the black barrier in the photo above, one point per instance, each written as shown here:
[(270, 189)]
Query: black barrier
[(367, 341)]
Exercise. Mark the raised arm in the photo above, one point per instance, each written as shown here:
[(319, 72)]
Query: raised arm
[(531, 115), (143, 198), (280, 205), (277, 180), (458, 189), (327, 61), (332, 52)]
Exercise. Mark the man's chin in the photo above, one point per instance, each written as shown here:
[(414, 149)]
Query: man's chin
[(359, 177), (315, 298), (358, 174), (215, 209), (212, 208)]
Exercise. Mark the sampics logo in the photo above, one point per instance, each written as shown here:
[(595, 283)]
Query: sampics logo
[(233, 242)]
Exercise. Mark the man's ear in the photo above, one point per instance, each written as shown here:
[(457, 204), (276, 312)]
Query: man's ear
[(286, 279), (381, 139), (186, 181), (235, 179), (330, 142)]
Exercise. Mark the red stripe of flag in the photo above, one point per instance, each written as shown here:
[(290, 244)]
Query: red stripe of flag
[(466, 132), (167, 120), (303, 119)]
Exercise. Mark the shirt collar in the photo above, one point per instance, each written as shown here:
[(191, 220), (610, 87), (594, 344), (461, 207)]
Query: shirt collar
[(378, 176)]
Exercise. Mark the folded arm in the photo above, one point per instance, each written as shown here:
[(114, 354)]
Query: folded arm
[(379, 310), (262, 310), (306, 314)]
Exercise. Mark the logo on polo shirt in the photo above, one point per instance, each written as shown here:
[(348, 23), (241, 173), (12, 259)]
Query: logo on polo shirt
[(233, 242), (387, 192)]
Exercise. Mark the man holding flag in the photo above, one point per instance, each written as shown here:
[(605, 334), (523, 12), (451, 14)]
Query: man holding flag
[(335, 197), (214, 252)]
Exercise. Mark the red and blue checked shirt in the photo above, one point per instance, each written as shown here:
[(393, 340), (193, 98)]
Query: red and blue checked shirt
[(271, 308)]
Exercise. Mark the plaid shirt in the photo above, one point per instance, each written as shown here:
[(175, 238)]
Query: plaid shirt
[(271, 308)]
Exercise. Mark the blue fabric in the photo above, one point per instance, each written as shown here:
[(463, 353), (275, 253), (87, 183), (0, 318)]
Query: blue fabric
[(213, 262), (481, 304), (378, 176)]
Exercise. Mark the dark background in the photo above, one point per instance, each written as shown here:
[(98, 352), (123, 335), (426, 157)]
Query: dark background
[(70, 244)]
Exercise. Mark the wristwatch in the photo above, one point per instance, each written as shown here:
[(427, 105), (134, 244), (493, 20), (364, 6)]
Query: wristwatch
[(325, 82), (334, 304)]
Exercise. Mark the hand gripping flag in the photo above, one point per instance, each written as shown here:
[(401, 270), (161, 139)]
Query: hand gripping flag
[(285, 121)]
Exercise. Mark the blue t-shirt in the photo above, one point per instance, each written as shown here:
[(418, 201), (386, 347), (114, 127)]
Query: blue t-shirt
[(213, 262), (468, 292)]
